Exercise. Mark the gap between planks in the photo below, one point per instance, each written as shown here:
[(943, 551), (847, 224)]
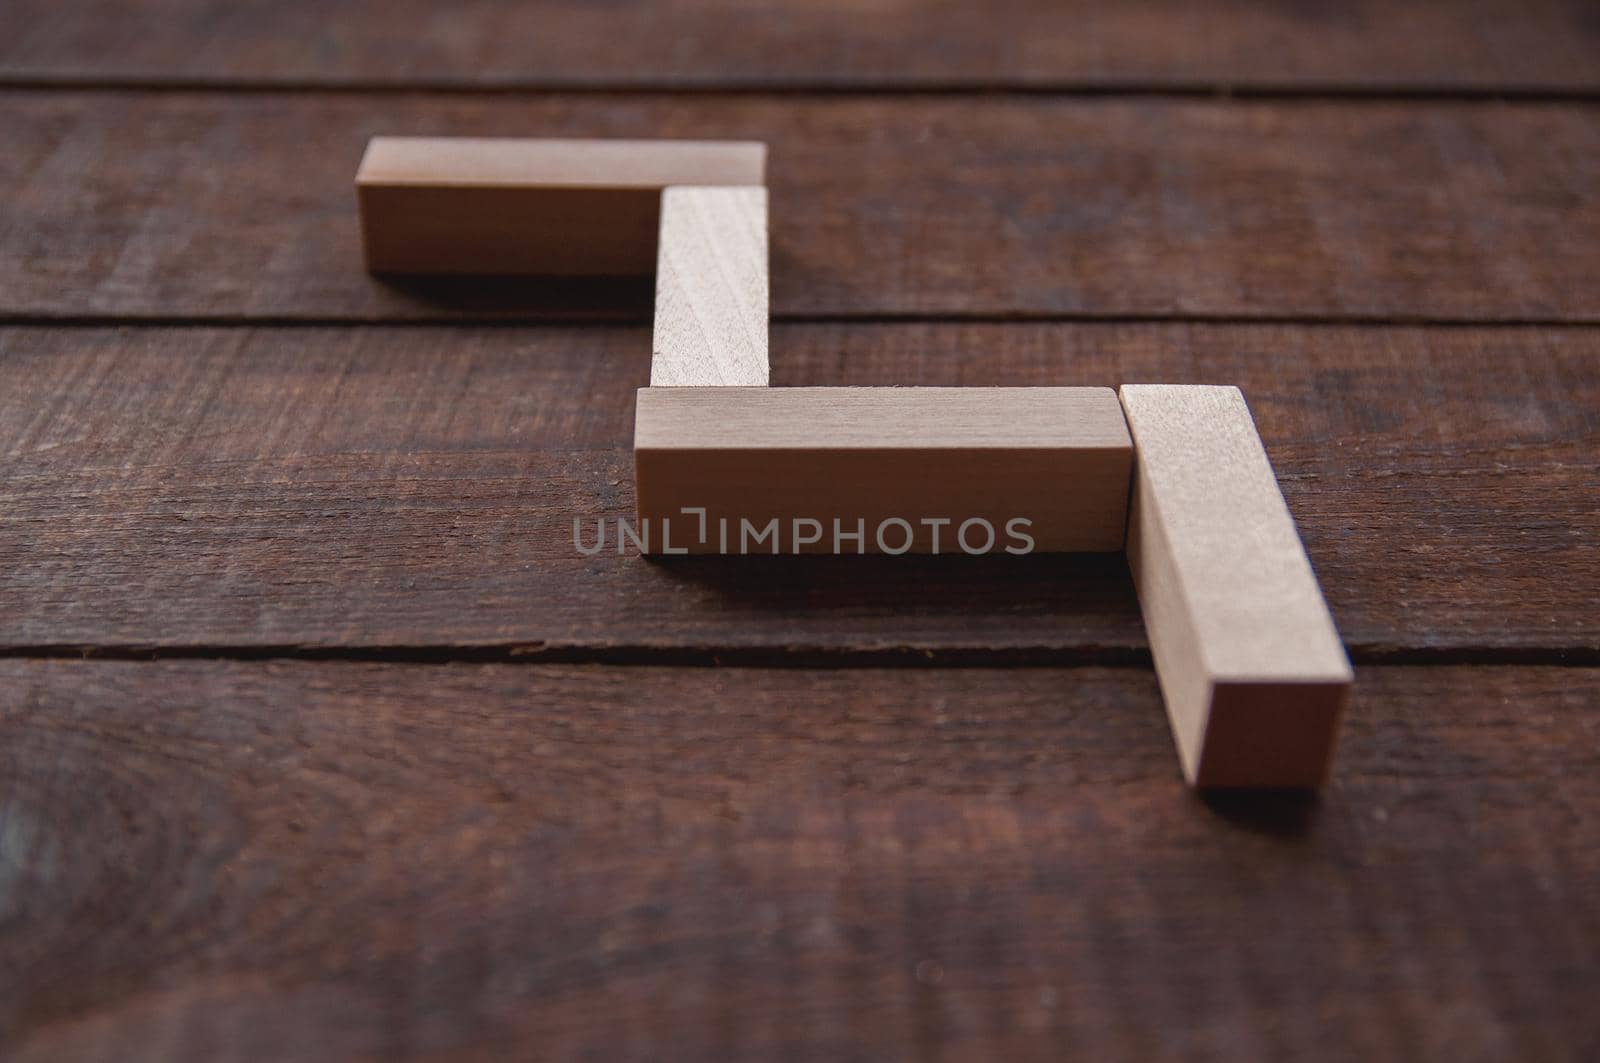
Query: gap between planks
[(996, 88), (815, 657), (642, 317)]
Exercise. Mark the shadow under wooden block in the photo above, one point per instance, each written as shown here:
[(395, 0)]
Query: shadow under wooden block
[(531, 206), (1251, 668), (881, 470)]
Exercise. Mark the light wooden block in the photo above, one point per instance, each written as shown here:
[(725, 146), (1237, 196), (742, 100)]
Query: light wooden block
[(528, 206), (711, 289), (1253, 672), (1059, 458)]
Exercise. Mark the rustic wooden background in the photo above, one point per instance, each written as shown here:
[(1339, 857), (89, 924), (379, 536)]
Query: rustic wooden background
[(318, 740)]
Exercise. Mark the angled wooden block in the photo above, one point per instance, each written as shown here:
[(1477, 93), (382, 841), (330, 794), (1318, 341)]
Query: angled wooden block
[(509, 205), (881, 470), (1253, 672), (711, 289)]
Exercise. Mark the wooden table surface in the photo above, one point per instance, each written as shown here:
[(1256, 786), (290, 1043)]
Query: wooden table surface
[(319, 740)]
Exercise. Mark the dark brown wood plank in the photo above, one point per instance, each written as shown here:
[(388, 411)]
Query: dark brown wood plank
[(415, 487), (1369, 44), (179, 205), (304, 859)]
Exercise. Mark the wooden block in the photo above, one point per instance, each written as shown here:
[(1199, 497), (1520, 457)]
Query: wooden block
[(1254, 675), (921, 470), (574, 207), (711, 289)]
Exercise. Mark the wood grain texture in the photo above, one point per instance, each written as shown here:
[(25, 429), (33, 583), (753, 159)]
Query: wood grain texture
[(710, 327), (1367, 44), (276, 860), (1252, 671), (181, 205), (267, 860), (969, 471), (531, 205), (411, 487)]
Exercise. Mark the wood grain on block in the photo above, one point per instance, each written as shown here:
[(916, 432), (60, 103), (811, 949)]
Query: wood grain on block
[(1253, 673), (881, 470), (509, 205), (711, 289)]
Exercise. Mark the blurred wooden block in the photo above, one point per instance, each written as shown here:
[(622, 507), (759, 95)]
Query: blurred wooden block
[(711, 289), (554, 207), (939, 460), (1253, 672)]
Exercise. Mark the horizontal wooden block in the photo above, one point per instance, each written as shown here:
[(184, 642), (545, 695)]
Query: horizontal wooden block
[(870, 470), (568, 207), (1253, 672), (711, 289)]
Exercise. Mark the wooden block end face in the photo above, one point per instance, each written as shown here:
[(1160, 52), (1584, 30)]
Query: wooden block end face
[(1269, 735), (1251, 666), (884, 470), (524, 206)]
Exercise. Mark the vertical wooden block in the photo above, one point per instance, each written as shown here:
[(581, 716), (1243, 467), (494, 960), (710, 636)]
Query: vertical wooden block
[(1253, 672), (509, 205), (711, 289), (894, 470)]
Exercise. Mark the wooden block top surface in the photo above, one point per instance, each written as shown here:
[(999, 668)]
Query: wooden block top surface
[(1246, 585), (879, 418), (550, 163), (711, 288)]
